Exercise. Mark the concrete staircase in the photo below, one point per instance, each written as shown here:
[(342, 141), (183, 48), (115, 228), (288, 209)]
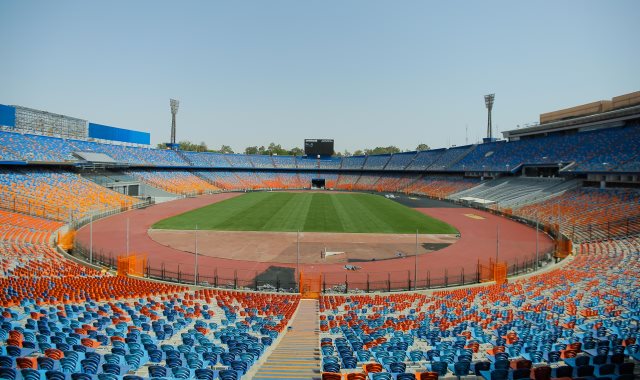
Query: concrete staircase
[(297, 356)]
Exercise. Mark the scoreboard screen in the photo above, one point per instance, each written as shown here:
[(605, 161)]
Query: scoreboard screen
[(315, 147)]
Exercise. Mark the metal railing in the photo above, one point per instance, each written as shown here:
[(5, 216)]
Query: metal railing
[(283, 279)]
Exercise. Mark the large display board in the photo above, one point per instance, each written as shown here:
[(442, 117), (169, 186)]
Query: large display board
[(7, 116), (318, 147), (105, 132)]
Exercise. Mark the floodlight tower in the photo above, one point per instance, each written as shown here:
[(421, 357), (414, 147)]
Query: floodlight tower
[(488, 101), (174, 110)]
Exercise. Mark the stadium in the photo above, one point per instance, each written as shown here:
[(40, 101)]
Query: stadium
[(127, 255), (124, 261)]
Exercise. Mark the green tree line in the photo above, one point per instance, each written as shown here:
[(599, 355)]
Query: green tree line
[(277, 149)]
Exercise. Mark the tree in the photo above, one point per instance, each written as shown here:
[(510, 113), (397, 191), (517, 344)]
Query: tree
[(358, 152), (191, 147), (224, 149), (276, 149), (422, 147), (382, 150), (251, 150), (296, 152)]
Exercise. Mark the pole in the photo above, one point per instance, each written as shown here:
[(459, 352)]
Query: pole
[(415, 266), (127, 236), (91, 240), (537, 252), (298, 258), (497, 242), (195, 272)]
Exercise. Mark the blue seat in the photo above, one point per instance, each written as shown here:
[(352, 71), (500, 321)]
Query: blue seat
[(174, 362), (133, 360), (54, 375), (111, 368), (80, 376), (597, 360), (180, 372), (30, 374), (239, 366), (228, 375), (89, 366), (155, 356), (501, 356), (226, 358), (68, 364), (173, 354), (79, 348), (204, 374), (440, 368), (585, 371), (350, 362), (107, 376), (45, 363), (331, 367), (210, 357), (481, 366), (499, 374), (461, 368), (553, 356), (564, 371), (626, 368), (13, 351), (157, 371), (501, 364), (605, 369), (330, 359), (195, 363), (521, 373), (6, 361), (397, 367), (381, 376), (416, 355), (8, 373)]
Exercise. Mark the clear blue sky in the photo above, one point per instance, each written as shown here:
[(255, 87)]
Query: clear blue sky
[(366, 73)]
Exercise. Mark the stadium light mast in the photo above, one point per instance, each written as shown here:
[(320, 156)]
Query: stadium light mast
[(488, 101), (174, 110)]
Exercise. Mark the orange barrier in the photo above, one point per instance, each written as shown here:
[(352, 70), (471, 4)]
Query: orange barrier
[(500, 273), (493, 272), (132, 265), (310, 285), (564, 247), (65, 241)]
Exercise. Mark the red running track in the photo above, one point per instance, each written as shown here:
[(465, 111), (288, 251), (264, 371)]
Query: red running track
[(478, 232)]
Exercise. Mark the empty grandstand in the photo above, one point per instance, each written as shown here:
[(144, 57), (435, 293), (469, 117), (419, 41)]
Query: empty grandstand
[(80, 315)]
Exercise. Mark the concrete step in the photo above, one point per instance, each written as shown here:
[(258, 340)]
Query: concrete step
[(297, 355)]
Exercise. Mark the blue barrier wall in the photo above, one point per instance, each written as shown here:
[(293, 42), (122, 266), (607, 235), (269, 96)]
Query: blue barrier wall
[(7, 116), (105, 132)]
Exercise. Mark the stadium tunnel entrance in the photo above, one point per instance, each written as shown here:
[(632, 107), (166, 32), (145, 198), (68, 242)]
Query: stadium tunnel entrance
[(318, 183)]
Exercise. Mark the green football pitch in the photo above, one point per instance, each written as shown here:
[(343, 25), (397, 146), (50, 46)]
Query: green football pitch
[(310, 212)]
